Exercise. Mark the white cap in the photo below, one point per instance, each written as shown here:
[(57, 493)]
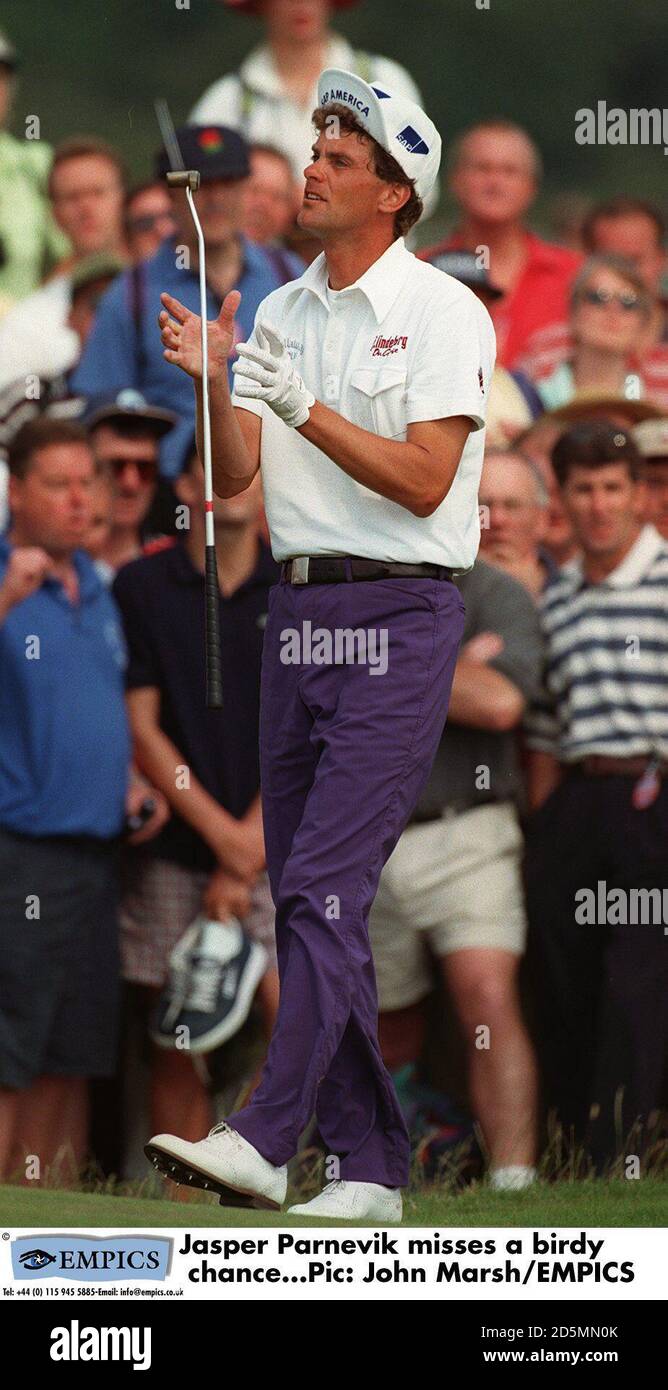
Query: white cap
[(400, 126)]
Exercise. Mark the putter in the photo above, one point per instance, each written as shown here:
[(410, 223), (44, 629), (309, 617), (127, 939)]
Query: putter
[(189, 179)]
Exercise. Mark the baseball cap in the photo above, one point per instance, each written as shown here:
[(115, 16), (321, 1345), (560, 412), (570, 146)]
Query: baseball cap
[(128, 405), (399, 125), (217, 151), (652, 438), (7, 51), (464, 266)]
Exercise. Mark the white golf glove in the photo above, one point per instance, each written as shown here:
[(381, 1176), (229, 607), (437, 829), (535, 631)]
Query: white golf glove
[(266, 373)]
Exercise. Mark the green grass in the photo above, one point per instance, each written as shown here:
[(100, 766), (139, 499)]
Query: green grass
[(589, 1203)]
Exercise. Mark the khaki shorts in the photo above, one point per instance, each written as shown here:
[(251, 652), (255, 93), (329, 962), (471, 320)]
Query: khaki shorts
[(449, 885)]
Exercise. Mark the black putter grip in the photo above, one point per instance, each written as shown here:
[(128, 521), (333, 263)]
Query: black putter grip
[(214, 675)]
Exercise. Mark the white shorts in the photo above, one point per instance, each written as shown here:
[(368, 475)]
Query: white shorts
[(449, 885)]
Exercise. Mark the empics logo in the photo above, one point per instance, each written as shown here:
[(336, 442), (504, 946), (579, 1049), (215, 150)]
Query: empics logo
[(413, 142), (91, 1259), (36, 1259), (76, 1343)]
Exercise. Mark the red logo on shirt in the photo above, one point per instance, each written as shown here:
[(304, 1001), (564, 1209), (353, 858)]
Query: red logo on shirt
[(386, 347)]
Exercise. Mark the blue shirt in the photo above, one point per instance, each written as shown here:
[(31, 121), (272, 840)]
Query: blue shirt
[(64, 739), (124, 348)]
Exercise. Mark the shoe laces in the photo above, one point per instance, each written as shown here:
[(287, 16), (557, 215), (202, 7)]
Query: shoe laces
[(332, 1186), (204, 984), (221, 1127)]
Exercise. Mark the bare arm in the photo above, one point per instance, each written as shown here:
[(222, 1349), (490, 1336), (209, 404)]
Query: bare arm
[(235, 439), (417, 474), (544, 773), (483, 698), (159, 759)]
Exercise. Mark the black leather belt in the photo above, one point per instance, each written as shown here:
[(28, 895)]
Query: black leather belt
[(337, 569)]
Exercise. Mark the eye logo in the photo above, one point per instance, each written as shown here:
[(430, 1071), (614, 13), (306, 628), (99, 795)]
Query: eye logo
[(36, 1259)]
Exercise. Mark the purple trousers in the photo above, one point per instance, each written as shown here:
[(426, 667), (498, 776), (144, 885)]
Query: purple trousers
[(346, 746)]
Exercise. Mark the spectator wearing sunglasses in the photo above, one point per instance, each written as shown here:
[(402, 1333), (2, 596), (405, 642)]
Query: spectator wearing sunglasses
[(636, 229), (610, 308), (148, 220), (125, 433)]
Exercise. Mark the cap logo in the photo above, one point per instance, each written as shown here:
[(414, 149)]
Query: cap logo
[(380, 93), (210, 140), (413, 142), (348, 98)]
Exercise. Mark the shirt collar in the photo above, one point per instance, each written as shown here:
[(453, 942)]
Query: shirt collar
[(380, 284), (633, 568), (258, 70)]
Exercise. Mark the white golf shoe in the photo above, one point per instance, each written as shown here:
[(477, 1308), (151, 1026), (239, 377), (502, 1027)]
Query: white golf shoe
[(225, 1163), (354, 1201)]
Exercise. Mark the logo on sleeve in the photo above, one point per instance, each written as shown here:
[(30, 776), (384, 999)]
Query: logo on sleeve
[(413, 142), (481, 381)]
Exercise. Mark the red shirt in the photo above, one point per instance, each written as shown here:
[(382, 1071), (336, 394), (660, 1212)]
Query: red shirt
[(539, 301)]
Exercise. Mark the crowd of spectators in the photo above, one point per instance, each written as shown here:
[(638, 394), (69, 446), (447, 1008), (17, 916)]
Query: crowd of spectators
[(133, 892)]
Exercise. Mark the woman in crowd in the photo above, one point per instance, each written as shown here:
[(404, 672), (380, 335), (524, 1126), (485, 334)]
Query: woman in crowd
[(609, 313)]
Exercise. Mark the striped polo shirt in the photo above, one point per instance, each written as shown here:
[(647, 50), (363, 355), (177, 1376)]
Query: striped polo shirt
[(605, 687)]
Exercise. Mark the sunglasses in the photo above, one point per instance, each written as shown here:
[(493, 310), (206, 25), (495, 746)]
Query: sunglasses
[(626, 299), (148, 221), (146, 468)]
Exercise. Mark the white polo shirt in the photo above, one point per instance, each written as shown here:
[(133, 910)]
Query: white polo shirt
[(404, 343)]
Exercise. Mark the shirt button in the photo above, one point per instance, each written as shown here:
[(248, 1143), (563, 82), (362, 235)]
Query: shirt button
[(331, 387)]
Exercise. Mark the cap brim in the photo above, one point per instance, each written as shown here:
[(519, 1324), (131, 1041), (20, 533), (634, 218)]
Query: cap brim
[(162, 421), (584, 405)]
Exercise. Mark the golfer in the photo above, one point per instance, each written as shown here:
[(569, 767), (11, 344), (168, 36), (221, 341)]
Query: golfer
[(361, 396)]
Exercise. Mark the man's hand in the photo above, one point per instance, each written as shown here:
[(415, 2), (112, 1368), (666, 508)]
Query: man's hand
[(272, 377), (239, 850), (226, 896), (483, 648), (139, 791), (25, 573), (180, 331)]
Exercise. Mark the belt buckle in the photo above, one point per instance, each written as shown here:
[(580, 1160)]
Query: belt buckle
[(299, 569)]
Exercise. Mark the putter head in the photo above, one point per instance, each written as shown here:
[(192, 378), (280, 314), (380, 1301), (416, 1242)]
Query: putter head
[(183, 178)]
